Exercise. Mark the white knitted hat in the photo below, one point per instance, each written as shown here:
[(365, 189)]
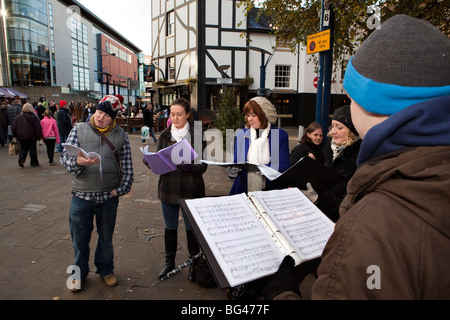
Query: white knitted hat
[(267, 107)]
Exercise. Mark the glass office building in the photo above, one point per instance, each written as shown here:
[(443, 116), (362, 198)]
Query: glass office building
[(27, 41)]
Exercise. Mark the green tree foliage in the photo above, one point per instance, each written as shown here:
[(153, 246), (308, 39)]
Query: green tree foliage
[(230, 117), (295, 20)]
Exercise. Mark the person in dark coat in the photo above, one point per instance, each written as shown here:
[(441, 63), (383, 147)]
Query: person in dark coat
[(27, 129), (340, 154), (63, 119), (12, 112), (148, 121), (310, 144)]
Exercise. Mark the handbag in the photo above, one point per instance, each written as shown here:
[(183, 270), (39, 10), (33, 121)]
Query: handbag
[(202, 274), (14, 147)]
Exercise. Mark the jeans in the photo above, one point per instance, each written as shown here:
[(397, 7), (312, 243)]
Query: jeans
[(171, 215), (81, 217), (62, 139)]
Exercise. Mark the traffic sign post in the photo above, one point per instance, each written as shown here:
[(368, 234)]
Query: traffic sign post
[(325, 64)]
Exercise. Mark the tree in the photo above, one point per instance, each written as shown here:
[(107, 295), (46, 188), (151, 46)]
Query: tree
[(293, 20), (230, 116)]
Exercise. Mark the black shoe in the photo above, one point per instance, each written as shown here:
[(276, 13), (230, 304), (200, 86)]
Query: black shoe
[(20, 163), (170, 265), (170, 243)]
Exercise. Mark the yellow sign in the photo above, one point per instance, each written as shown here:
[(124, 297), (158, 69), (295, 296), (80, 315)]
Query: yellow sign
[(318, 42)]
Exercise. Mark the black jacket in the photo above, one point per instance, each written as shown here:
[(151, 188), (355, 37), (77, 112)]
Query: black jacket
[(345, 165), (63, 121), (303, 149), (12, 112), (27, 127), (148, 117)]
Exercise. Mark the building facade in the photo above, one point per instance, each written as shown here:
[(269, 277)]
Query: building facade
[(201, 46), (60, 43)]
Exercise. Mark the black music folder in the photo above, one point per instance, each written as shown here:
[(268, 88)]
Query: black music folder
[(245, 237)]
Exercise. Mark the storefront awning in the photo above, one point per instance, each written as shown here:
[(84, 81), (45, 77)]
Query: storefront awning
[(12, 93)]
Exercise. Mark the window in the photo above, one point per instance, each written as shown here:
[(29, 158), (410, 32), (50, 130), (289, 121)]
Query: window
[(171, 68), (170, 23), (80, 57), (282, 44), (282, 76)]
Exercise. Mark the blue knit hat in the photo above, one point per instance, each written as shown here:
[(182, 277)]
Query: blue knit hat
[(405, 61)]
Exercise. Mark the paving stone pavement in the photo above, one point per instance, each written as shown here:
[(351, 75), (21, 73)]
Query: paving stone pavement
[(36, 248)]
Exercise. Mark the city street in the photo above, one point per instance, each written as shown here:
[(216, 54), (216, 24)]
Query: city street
[(36, 244)]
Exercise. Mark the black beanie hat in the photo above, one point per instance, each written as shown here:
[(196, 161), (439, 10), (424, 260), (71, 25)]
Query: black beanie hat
[(344, 116), (405, 61)]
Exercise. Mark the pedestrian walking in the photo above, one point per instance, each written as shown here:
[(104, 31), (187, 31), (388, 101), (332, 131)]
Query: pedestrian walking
[(50, 134), (64, 122), (27, 129), (148, 121)]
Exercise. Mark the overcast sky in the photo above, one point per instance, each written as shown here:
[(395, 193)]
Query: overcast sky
[(131, 18)]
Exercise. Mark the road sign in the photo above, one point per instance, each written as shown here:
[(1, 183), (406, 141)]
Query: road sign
[(224, 80), (315, 82), (318, 42)]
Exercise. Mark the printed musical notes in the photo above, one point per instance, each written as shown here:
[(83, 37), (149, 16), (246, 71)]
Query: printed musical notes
[(298, 219), (242, 247), (247, 237)]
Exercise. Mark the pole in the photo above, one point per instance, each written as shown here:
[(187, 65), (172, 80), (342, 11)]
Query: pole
[(262, 76), (325, 68)]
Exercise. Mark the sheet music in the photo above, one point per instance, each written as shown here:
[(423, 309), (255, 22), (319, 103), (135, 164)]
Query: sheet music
[(242, 246), (298, 219)]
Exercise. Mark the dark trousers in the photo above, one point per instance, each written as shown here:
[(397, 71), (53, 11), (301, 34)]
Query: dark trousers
[(50, 143), (28, 146)]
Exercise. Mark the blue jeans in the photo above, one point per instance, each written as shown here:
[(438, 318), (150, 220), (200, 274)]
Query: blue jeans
[(81, 218), (62, 139), (171, 214)]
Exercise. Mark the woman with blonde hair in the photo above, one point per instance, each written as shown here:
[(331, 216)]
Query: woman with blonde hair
[(50, 134), (27, 129), (340, 153)]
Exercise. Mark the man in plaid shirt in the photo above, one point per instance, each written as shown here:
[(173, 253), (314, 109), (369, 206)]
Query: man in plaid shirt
[(96, 188)]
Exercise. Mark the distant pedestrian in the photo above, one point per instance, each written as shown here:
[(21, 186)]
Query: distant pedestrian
[(27, 129), (148, 121), (12, 112), (64, 122), (50, 134)]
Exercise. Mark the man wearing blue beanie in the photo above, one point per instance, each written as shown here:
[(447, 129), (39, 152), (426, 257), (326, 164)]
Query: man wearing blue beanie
[(392, 240)]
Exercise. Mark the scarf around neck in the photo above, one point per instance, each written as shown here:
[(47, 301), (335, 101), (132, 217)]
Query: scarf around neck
[(106, 130), (258, 153), (179, 134)]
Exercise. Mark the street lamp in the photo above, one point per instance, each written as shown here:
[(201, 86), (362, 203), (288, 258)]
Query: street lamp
[(108, 75)]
